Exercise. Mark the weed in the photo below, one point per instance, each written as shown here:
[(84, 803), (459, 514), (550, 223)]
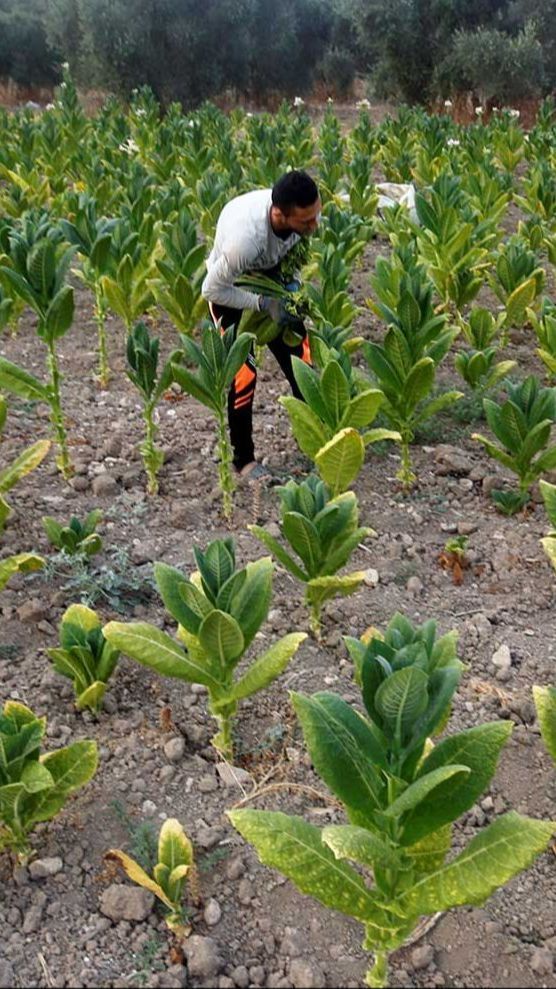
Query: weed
[(146, 960), (142, 836), (120, 584), (211, 859)]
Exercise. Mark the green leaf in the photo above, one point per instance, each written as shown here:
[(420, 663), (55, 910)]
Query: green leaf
[(419, 382), (344, 751), (15, 380), (153, 648), (309, 385), (91, 697), (362, 409), (295, 848), (403, 697), (335, 392), (59, 315), (303, 538), (496, 855), (24, 464), (20, 563), (184, 602), (174, 847), (421, 789), (478, 748), (189, 384), (518, 302), (250, 606), (545, 703), (267, 667), (279, 552), (360, 845), (548, 492), (321, 589), (309, 433), (341, 459), (221, 638)]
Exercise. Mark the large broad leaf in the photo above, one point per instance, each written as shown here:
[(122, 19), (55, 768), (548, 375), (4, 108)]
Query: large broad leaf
[(362, 409), (181, 598), (504, 848), (77, 621), (59, 315), (545, 703), (70, 768), (478, 748), (24, 464), (137, 874), (495, 451), (518, 302), (222, 640), (20, 563), (335, 392), (321, 589), (350, 842), (279, 552), (421, 789), (296, 849), (267, 667), (418, 383), (309, 432), (430, 853), (303, 538), (308, 382), (250, 606), (174, 847), (341, 459), (153, 648), (402, 698), (189, 383), (91, 697), (15, 380), (344, 751)]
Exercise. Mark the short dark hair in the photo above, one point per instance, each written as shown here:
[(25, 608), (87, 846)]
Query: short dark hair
[(295, 188)]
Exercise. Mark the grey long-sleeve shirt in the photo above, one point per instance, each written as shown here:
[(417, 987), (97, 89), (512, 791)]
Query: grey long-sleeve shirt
[(244, 241)]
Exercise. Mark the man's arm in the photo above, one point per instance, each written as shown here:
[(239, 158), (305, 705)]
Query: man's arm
[(218, 286)]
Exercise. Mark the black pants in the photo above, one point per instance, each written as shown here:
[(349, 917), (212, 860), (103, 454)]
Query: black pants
[(242, 392)]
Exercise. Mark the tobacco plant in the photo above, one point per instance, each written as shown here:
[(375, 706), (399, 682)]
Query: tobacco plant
[(84, 656), (522, 424), (35, 786), (405, 364), (174, 866), (20, 563), (38, 277), (180, 273), (544, 326), (322, 532), (143, 371), (219, 611), (76, 536), (401, 795), (545, 704), (92, 236), (327, 424), (217, 360), (518, 280)]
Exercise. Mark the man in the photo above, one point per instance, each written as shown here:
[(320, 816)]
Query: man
[(254, 233)]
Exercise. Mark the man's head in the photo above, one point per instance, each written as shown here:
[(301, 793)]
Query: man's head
[(296, 204)]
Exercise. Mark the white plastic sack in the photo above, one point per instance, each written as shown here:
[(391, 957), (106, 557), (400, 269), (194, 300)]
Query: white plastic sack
[(394, 193)]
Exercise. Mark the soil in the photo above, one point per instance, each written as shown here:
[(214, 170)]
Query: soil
[(267, 934)]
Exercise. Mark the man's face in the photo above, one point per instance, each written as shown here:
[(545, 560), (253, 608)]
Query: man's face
[(304, 220)]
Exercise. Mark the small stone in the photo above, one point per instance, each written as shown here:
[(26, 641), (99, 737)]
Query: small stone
[(43, 868), (167, 773), (490, 482), (371, 577), (542, 961), (212, 912), (502, 658), (245, 892), (235, 868), (112, 447), (207, 784), (33, 919), (32, 611), (149, 808), (451, 460), (306, 975), (240, 975), (81, 483), (104, 485), (119, 902), (414, 586), (185, 514), (291, 945), (466, 528), (422, 956), (203, 958), (233, 775), (7, 974), (174, 749)]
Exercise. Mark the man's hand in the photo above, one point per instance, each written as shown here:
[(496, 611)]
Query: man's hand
[(271, 306)]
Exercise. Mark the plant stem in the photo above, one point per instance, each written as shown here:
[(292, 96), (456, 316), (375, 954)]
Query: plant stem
[(223, 740), (314, 622), (377, 976), (149, 451), (405, 474), (56, 416), (224, 466), (100, 320)]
